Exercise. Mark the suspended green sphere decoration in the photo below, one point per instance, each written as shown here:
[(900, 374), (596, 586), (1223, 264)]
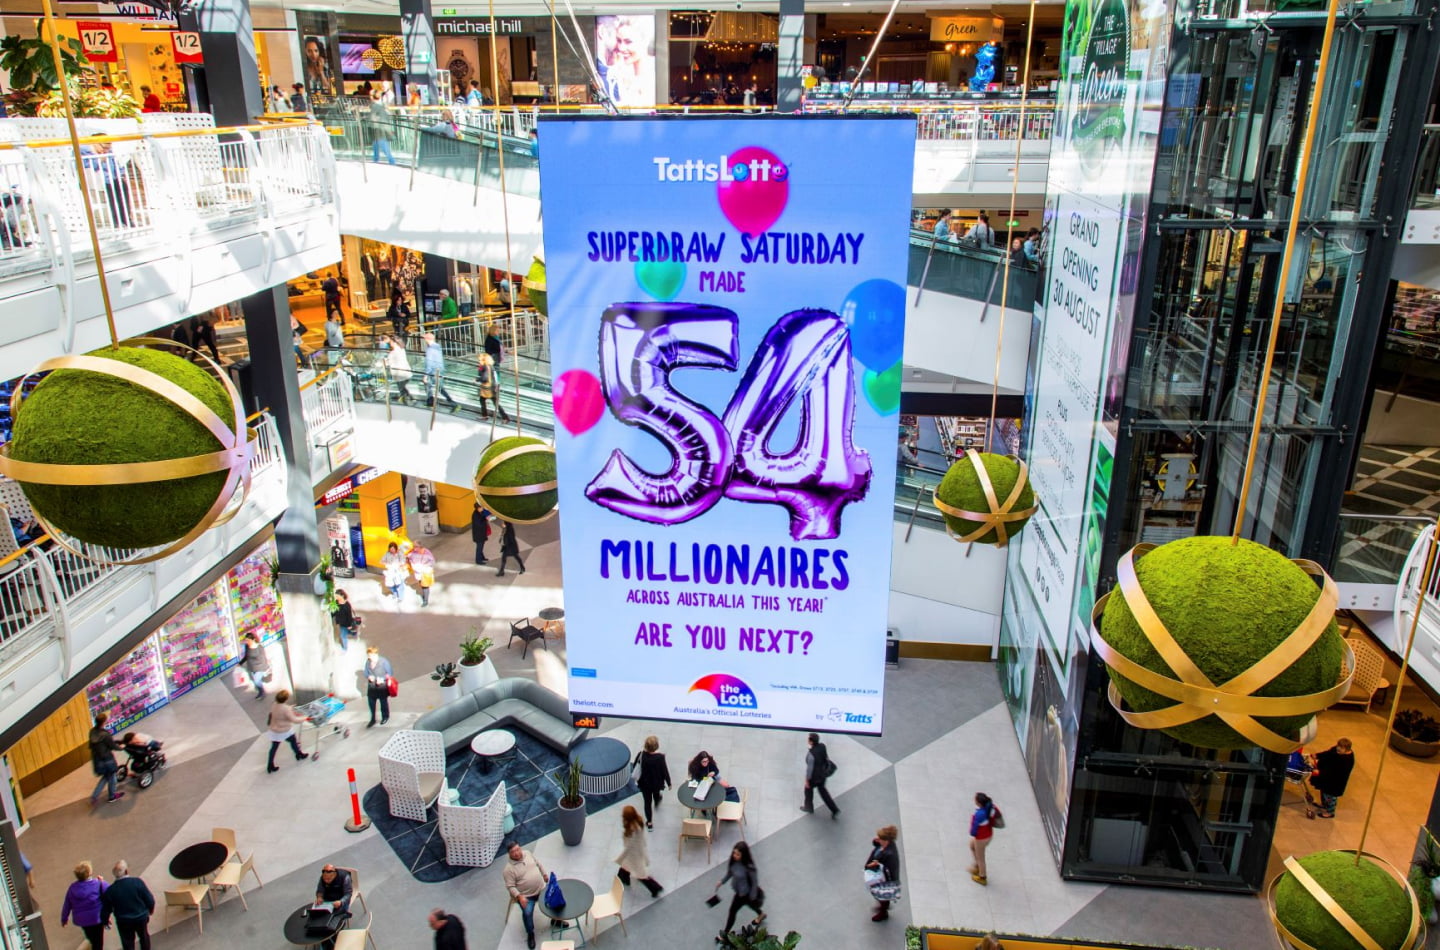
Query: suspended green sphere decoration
[(985, 498), (515, 480)]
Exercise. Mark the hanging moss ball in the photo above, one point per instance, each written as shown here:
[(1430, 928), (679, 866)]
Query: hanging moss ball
[(531, 468), (1367, 892), (535, 286), (1227, 606), (960, 488), (78, 417)]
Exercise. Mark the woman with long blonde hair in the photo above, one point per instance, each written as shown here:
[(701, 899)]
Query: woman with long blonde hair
[(634, 860)]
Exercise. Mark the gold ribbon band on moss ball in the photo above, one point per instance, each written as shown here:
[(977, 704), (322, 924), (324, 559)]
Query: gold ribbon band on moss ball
[(1000, 514), (515, 491), (233, 457), (1195, 694), (1413, 938)]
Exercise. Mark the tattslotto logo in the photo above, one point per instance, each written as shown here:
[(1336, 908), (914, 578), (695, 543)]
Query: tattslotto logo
[(1098, 129)]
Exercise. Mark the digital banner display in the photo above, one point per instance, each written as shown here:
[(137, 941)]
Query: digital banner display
[(1107, 124), (727, 313)]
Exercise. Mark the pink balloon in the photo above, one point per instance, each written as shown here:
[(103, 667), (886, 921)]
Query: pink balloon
[(578, 402), (755, 191)]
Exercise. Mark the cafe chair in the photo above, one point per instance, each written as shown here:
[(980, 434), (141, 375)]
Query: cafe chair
[(355, 893), (233, 873), (527, 632), (733, 811), (1369, 674), (412, 769), (355, 938), (608, 905), (695, 828), (188, 897), (560, 944), (226, 836)]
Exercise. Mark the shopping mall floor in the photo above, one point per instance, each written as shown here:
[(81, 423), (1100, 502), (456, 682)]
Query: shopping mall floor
[(947, 735)]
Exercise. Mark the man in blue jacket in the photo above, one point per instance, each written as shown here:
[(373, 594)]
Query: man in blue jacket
[(130, 902)]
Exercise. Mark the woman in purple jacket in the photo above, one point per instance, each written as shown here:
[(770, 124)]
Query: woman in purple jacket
[(82, 902)]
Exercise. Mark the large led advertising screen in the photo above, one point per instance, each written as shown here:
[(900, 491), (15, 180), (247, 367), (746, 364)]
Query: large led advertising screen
[(727, 313)]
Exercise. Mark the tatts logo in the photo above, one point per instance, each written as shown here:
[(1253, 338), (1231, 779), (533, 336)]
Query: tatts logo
[(728, 690)]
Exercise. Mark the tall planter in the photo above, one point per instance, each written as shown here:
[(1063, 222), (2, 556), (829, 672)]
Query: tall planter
[(448, 694), (478, 675), (570, 815)]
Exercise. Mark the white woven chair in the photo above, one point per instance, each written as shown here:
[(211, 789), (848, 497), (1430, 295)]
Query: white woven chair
[(473, 833), (412, 769), (1369, 672)]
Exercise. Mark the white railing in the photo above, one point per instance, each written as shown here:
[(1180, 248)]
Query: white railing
[(1416, 590), (328, 404), (39, 583), (961, 122), (146, 186)]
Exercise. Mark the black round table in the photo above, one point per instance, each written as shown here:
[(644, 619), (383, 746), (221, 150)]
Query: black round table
[(298, 932), (578, 900), (198, 861), (550, 617), (710, 802)]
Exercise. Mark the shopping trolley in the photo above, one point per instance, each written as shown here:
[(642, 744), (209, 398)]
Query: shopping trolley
[(319, 713)]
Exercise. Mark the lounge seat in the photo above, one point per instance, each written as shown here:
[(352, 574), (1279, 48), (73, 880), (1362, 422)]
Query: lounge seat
[(512, 701)]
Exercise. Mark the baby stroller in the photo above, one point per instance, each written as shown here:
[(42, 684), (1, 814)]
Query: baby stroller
[(144, 760), (368, 385)]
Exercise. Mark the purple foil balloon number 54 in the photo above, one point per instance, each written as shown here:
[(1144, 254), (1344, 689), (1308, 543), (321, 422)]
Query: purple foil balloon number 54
[(804, 357)]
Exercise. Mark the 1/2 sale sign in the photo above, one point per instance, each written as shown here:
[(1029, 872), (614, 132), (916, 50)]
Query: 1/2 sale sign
[(187, 47), (727, 312), (98, 41)]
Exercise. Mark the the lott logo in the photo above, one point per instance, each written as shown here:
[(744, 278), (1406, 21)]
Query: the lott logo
[(757, 168), (729, 691)]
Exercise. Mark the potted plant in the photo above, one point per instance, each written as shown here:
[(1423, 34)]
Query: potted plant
[(571, 816), (1427, 867), (1415, 734), (475, 671), (448, 676), (754, 936)]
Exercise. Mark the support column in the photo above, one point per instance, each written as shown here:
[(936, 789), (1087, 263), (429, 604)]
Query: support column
[(230, 87), (790, 56), (418, 29), (310, 645)]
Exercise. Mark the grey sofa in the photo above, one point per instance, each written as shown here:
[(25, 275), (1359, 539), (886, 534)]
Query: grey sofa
[(512, 701)]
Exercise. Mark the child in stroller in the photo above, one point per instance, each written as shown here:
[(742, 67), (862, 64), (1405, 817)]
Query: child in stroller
[(145, 758)]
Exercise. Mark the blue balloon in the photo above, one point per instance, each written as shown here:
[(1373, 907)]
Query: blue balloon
[(875, 313)]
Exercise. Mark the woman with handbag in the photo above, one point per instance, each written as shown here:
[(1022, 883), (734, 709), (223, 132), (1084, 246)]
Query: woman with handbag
[(256, 662), (982, 829), (882, 871), (344, 617), (745, 882), (654, 775), (378, 674)]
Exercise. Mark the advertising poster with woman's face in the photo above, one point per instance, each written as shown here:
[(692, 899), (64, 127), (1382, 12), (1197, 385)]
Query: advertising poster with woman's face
[(316, 57), (625, 55)]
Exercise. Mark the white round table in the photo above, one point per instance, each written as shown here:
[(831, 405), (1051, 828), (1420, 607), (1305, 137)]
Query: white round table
[(492, 743)]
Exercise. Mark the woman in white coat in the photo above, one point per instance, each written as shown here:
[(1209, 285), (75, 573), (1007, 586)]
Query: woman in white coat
[(396, 570), (635, 859)]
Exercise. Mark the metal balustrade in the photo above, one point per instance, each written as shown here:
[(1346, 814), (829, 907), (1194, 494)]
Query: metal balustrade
[(959, 122), (148, 186), (41, 582)]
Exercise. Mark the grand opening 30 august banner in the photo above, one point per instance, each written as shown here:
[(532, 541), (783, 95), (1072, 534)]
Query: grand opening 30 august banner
[(727, 312)]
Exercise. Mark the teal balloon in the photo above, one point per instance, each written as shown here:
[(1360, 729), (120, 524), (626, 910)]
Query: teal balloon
[(882, 390), (661, 279)]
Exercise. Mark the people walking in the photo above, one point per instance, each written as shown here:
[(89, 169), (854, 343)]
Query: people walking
[(449, 932), (395, 569), (487, 385), (378, 673), (102, 759), (283, 720), (130, 903), (83, 905), (379, 129), (818, 770), (509, 547), (397, 365), (634, 857), (982, 829), (525, 880), (479, 531), (882, 868), (422, 564), (745, 882), (344, 617), (331, 287), (654, 776), (1332, 774), (256, 662), (435, 372)]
